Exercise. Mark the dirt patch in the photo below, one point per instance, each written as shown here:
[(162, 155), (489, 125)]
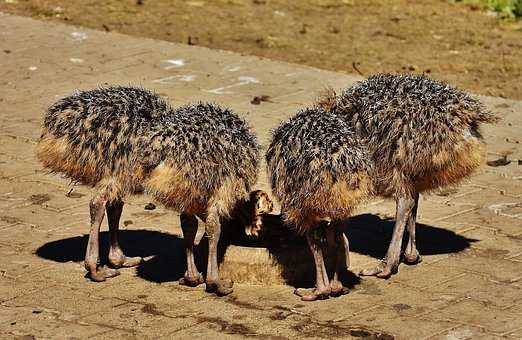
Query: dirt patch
[(259, 99), (449, 40), (10, 219), (328, 330), (307, 327), (279, 316), (39, 198), (26, 337), (243, 304), (503, 161), (228, 327), (399, 307), (150, 308), (148, 214), (237, 328)]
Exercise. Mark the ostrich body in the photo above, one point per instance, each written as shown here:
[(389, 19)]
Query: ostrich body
[(200, 160), (421, 135), (319, 171), (390, 135)]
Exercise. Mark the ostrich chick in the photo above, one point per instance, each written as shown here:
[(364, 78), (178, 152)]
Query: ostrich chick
[(319, 171), (200, 160), (421, 135)]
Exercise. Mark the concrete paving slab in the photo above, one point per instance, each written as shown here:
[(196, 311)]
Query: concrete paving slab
[(468, 286)]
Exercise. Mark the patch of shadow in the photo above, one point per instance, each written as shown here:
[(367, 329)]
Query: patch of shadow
[(39, 198), (169, 263), (368, 234), (371, 234), (288, 250), (167, 252)]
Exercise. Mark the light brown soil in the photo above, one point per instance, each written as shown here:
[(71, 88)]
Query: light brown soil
[(450, 41)]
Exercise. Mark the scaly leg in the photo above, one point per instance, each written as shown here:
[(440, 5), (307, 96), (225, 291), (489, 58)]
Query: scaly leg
[(339, 242), (92, 254), (322, 286), (411, 255), (189, 225), (347, 251), (213, 230), (390, 264), (116, 257)]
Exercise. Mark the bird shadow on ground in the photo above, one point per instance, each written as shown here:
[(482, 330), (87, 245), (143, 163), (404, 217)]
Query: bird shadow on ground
[(371, 234), (150, 244), (368, 234), (165, 255)]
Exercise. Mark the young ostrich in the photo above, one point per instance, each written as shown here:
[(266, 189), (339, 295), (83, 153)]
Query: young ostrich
[(200, 160), (421, 135), (319, 171)]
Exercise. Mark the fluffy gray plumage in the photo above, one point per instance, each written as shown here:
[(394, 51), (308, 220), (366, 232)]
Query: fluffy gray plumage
[(389, 135), (316, 166), (118, 136), (414, 127)]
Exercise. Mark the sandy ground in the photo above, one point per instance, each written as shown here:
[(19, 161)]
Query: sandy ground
[(447, 39)]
